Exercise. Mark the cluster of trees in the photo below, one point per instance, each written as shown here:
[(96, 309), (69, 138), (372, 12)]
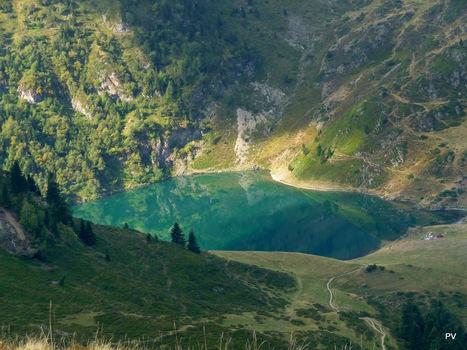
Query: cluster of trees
[(324, 153), (43, 217), (179, 53), (427, 331), (21, 195), (179, 238), (86, 233), (374, 267)]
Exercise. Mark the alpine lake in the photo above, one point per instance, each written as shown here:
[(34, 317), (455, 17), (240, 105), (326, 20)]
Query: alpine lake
[(249, 211)]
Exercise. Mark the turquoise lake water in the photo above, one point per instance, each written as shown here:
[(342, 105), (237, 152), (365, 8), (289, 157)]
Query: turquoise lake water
[(249, 211)]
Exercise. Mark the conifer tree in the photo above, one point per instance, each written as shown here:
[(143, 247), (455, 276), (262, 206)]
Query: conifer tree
[(53, 227), (18, 181), (86, 234), (53, 192), (177, 235), (82, 229), (440, 321), (412, 325), (192, 244), (90, 233), (60, 210), (5, 199), (32, 187)]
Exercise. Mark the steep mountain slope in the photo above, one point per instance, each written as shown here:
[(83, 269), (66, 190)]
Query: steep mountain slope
[(391, 115), (80, 276), (358, 94), (127, 281), (133, 289)]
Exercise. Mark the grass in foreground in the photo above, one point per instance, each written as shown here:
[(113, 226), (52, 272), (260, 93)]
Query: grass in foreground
[(47, 343)]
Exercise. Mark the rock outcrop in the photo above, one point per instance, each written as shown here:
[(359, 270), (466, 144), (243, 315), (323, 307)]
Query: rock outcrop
[(112, 85), (12, 234), (29, 95), (178, 138), (78, 106)]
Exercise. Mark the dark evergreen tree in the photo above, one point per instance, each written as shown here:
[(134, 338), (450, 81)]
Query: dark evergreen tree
[(18, 181), (319, 151), (32, 187), (438, 322), (91, 236), (125, 226), (54, 227), (5, 199), (412, 325), (60, 210), (51, 223), (82, 229), (86, 234), (53, 195), (192, 244), (177, 235)]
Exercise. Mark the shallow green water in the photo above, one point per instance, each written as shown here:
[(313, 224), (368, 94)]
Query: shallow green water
[(248, 211)]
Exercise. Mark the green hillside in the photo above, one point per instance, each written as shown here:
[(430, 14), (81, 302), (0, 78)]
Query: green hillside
[(134, 289), (362, 94), (97, 96), (129, 284), (410, 270)]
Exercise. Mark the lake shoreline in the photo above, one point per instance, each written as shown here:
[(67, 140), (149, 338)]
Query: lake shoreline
[(275, 178)]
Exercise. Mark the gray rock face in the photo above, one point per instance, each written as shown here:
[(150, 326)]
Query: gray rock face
[(29, 95), (117, 27), (112, 85), (178, 138), (12, 236), (81, 108)]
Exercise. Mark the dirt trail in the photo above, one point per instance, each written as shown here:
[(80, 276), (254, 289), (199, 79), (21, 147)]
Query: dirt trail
[(328, 286), (373, 323), (11, 220), (331, 295), (376, 325)]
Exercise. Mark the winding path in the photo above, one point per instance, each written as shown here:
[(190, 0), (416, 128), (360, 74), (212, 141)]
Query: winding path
[(330, 293), (373, 323), (328, 286), (376, 325)]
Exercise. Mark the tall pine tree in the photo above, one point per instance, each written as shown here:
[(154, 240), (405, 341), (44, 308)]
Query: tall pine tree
[(60, 210), (86, 234), (32, 187), (91, 236), (177, 235), (5, 199), (438, 322), (192, 244), (18, 181), (412, 325)]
